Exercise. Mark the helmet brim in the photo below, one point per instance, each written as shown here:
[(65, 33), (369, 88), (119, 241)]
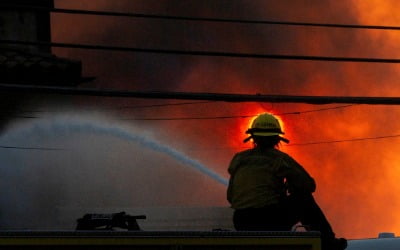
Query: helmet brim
[(274, 134), (265, 133)]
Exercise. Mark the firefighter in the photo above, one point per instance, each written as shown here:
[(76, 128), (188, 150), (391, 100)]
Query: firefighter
[(270, 191)]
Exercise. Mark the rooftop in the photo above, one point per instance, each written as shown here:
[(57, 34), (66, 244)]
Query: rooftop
[(36, 68)]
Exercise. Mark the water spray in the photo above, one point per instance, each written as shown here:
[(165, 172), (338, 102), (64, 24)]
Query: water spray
[(65, 126)]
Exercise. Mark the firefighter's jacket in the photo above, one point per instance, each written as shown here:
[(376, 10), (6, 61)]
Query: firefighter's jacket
[(263, 177)]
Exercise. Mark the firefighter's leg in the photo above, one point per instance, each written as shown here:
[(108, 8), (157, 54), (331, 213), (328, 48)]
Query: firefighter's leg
[(310, 214), (271, 218)]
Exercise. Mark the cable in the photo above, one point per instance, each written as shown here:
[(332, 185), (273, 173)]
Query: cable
[(112, 108), (22, 117), (324, 142), (176, 118), (316, 110), (225, 97), (230, 117), (287, 145), (184, 118), (302, 144), (346, 140), (161, 105), (31, 148), (203, 19), (203, 53), (220, 148)]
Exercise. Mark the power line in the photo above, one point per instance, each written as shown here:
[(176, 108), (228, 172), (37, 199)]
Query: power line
[(187, 118), (203, 52), (316, 110), (232, 116), (31, 148), (161, 105), (220, 148), (178, 118), (345, 140), (337, 141), (304, 144), (225, 97), (109, 108), (202, 19), (287, 145)]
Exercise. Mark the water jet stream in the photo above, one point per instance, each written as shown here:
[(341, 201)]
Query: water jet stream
[(87, 126)]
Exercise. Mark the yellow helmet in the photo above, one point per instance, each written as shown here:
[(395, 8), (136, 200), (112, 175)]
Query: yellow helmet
[(265, 125)]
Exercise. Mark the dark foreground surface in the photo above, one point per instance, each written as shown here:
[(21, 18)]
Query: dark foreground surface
[(159, 240)]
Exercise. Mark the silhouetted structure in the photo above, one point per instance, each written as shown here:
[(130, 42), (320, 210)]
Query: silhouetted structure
[(30, 65)]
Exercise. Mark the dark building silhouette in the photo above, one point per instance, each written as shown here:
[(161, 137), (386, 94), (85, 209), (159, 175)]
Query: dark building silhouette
[(27, 20)]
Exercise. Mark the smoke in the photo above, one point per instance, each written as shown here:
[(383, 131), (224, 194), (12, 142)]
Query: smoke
[(87, 163), (356, 180)]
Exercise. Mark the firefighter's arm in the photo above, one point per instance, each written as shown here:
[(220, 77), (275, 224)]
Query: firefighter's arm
[(298, 180), (229, 192), (231, 170)]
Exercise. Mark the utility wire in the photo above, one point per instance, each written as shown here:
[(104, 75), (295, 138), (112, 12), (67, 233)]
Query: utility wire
[(225, 97), (112, 108), (31, 148), (187, 118), (232, 116), (202, 19), (304, 144), (202, 52), (316, 110), (24, 117), (287, 145), (160, 105), (179, 118), (346, 140), (327, 142)]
